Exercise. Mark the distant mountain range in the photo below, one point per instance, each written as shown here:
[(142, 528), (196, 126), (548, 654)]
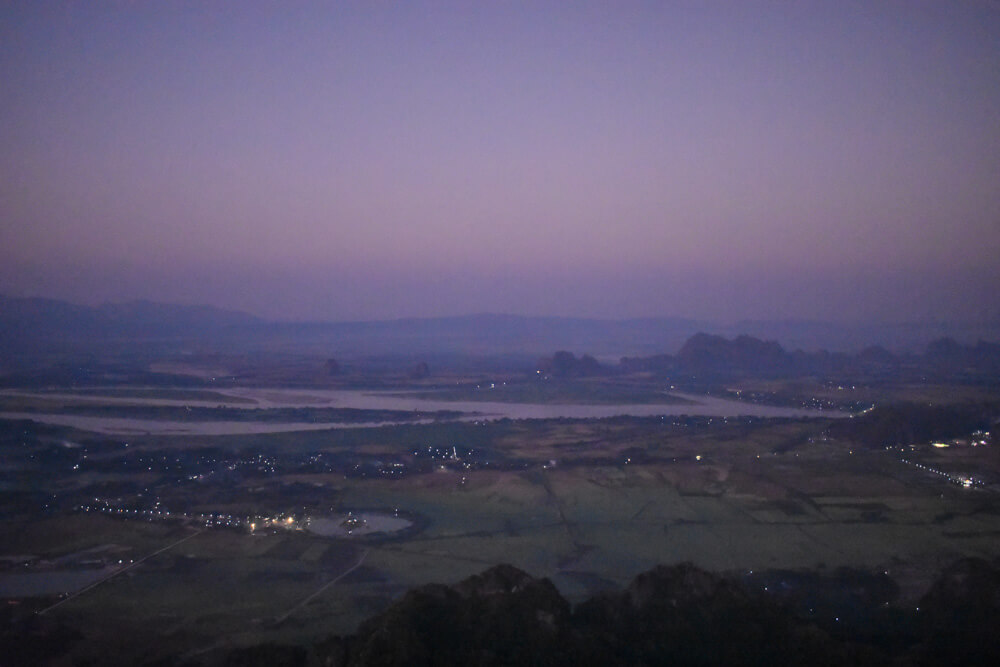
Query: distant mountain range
[(25, 319), (35, 325)]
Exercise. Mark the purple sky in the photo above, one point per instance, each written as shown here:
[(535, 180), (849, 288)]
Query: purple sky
[(369, 160)]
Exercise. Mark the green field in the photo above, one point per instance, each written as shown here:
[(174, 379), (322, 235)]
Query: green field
[(587, 503)]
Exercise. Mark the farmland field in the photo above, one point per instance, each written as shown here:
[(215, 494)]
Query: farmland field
[(197, 542)]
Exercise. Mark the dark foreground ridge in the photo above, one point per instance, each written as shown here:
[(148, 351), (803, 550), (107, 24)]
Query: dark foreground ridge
[(670, 615)]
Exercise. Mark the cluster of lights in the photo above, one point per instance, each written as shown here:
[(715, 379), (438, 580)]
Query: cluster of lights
[(209, 519), (764, 398)]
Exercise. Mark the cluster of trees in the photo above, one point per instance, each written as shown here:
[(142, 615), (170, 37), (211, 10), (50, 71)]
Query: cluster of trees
[(565, 364), (676, 615), (902, 424)]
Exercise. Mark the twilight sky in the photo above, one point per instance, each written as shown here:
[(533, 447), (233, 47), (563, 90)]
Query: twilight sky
[(370, 160)]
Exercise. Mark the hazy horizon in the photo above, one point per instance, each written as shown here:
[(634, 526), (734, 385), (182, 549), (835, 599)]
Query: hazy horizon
[(715, 161), (967, 330)]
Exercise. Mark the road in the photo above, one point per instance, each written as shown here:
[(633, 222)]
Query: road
[(281, 619), (119, 571)]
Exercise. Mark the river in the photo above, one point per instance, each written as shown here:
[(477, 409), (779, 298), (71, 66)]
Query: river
[(416, 402)]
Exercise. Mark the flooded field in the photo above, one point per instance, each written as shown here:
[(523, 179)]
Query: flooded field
[(358, 524), (51, 582)]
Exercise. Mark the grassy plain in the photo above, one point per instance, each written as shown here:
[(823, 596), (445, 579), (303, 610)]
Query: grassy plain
[(588, 503)]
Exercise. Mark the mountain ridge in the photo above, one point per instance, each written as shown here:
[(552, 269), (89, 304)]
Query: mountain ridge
[(38, 323)]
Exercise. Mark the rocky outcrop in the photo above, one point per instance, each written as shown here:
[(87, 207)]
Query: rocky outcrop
[(500, 617), (709, 356), (960, 615), (677, 615), (683, 615)]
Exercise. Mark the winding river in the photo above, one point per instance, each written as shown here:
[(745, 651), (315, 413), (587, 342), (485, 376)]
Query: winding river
[(415, 402)]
